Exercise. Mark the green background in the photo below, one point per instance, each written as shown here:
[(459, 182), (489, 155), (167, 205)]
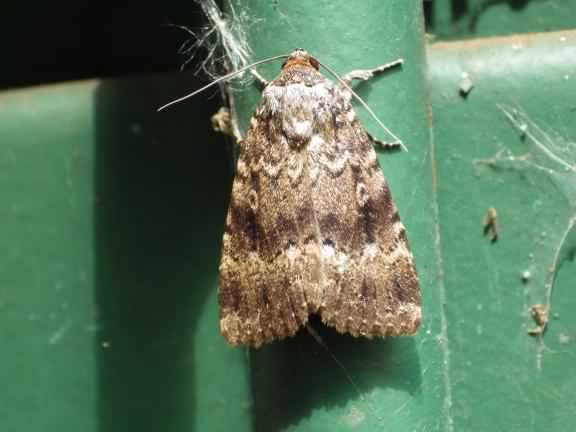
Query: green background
[(112, 216)]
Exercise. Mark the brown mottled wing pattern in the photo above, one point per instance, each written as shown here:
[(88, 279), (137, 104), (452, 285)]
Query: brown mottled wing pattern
[(311, 226), (369, 281), (269, 271)]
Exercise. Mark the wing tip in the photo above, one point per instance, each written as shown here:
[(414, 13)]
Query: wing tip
[(404, 321), (252, 333)]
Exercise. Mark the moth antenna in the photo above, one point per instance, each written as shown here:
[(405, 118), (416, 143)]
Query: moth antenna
[(364, 104), (223, 78)]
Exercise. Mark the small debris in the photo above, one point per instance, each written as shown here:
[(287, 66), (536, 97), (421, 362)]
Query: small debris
[(354, 418), (540, 316), (526, 275), (490, 224), (466, 84)]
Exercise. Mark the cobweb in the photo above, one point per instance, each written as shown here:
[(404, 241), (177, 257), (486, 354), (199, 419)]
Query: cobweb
[(221, 45), (553, 155)]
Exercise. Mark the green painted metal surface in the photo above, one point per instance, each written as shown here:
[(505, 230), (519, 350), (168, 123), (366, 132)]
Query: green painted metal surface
[(48, 355), (112, 219), (500, 377)]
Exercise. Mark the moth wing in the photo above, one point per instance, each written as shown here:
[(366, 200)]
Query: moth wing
[(269, 270), (369, 281), (312, 226)]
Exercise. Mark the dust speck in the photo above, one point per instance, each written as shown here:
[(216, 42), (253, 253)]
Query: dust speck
[(466, 84), (526, 275), (354, 417)]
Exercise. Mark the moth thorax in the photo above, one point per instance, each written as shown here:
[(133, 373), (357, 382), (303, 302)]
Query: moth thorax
[(300, 57), (298, 132)]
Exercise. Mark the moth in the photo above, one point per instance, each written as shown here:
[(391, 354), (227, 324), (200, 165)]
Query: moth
[(311, 227)]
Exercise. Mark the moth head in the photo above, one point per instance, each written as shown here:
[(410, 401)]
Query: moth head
[(300, 57)]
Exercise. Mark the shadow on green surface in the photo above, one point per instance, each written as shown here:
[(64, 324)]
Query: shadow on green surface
[(479, 9), (162, 182), (470, 11), (294, 377)]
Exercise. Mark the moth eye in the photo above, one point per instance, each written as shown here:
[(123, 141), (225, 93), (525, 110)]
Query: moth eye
[(315, 64)]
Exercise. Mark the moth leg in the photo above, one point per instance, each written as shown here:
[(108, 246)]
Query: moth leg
[(261, 82), (225, 123), (385, 145), (233, 119), (366, 74), (225, 120)]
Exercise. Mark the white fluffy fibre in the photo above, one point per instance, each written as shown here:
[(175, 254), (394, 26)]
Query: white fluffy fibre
[(223, 39)]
